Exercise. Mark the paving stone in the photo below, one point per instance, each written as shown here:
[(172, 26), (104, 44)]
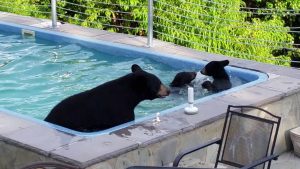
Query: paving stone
[(41, 138), (94, 149)]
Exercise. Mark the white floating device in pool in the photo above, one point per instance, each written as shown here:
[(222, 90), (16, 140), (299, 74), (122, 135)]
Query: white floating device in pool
[(191, 109)]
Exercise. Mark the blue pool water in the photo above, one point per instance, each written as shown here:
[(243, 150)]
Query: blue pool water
[(36, 73)]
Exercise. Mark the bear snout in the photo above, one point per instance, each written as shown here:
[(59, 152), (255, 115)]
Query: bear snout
[(163, 91), (194, 74), (203, 71)]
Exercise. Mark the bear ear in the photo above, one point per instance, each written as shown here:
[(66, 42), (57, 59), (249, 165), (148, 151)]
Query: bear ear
[(135, 68), (224, 62)]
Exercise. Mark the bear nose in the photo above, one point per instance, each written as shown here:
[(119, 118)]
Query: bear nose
[(203, 71), (195, 74), (168, 91), (163, 91)]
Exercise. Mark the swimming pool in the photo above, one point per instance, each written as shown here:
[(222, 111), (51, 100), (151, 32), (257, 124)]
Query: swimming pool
[(73, 64)]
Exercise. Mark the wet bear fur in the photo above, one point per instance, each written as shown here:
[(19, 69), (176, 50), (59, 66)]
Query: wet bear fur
[(183, 78), (221, 80), (109, 104)]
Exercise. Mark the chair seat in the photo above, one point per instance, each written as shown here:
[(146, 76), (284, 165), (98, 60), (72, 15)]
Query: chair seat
[(156, 167)]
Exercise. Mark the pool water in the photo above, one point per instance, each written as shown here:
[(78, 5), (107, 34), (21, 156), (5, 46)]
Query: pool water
[(36, 74)]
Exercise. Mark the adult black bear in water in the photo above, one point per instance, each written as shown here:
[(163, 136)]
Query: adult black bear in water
[(109, 104)]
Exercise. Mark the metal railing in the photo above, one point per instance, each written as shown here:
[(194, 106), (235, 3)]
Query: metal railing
[(53, 13), (150, 23), (165, 20)]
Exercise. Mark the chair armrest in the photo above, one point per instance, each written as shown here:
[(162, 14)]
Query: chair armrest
[(261, 161), (51, 164), (193, 149)]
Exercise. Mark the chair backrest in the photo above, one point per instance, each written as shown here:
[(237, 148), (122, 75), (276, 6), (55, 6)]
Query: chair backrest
[(249, 134)]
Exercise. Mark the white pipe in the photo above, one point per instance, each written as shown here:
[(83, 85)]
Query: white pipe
[(190, 95), (53, 13), (150, 24), (191, 109)]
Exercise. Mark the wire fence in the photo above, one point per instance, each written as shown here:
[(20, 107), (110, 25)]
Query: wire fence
[(25, 8), (223, 27), (227, 29), (103, 15)]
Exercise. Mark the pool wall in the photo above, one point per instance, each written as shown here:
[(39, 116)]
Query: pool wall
[(150, 142)]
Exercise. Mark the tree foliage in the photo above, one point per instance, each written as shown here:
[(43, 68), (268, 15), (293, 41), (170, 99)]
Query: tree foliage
[(219, 26), (35, 8)]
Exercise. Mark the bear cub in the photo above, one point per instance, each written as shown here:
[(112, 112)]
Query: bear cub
[(183, 78), (221, 80), (109, 104), (215, 69)]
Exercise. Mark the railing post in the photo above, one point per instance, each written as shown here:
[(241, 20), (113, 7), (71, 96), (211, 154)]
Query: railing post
[(150, 23), (53, 13)]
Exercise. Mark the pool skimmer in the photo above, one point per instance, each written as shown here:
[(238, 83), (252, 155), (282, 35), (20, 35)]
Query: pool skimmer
[(28, 33)]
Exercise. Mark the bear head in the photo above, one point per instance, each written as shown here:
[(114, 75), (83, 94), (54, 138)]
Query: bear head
[(148, 84), (215, 69), (183, 78)]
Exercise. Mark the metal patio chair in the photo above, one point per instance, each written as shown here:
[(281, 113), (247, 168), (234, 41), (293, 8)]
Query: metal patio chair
[(49, 165), (247, 141)]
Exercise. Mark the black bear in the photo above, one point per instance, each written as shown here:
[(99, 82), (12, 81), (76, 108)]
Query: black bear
[(183, 78), (109, 104), (221, 80)]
